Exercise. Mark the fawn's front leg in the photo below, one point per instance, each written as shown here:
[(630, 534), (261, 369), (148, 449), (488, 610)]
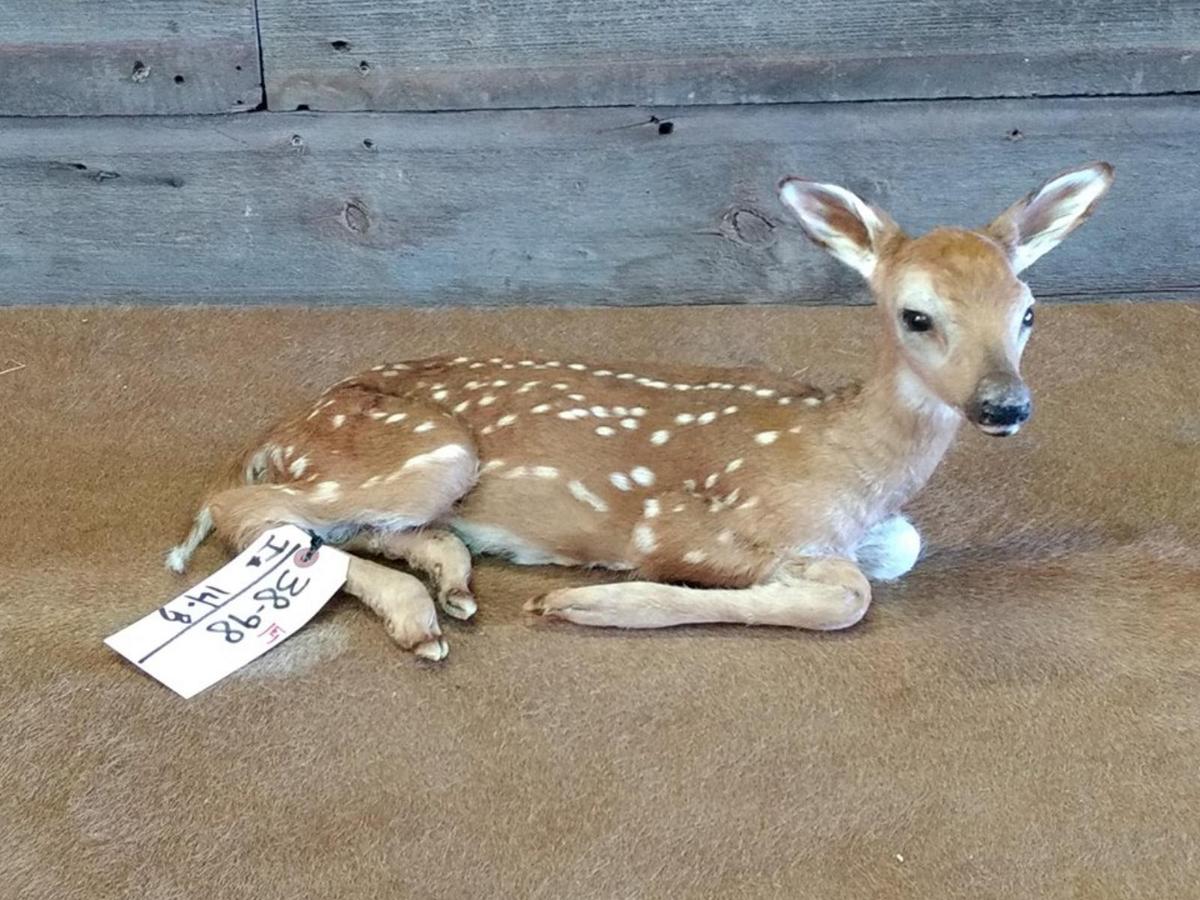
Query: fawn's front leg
[(817, 594)]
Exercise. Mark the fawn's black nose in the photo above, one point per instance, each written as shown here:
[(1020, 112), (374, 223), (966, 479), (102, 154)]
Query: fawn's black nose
[(1001, 404)]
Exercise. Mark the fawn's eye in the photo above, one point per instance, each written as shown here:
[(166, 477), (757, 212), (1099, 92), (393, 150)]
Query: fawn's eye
[(916, 321), (1027, 322)]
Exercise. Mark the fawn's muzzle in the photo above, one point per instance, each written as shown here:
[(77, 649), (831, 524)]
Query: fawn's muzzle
[(1001, 405)]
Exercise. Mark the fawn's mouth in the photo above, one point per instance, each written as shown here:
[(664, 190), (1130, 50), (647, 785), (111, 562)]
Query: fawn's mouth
[(999, 430)]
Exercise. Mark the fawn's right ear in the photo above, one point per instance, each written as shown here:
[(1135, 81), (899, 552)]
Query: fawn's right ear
[(838, 220)]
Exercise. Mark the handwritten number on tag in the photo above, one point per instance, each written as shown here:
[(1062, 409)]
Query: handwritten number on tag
[(232, 635), (171, 616), (249, 623)]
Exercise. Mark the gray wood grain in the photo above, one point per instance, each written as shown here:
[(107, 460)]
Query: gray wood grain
[(573, 206), (127, 57), (476, 54)]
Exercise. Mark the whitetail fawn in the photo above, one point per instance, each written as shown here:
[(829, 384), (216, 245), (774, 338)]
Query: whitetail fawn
[(731, 495)]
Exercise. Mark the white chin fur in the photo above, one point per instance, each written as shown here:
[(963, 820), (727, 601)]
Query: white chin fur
[(999, 430)]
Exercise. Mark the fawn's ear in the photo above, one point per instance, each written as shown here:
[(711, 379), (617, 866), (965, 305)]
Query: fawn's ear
[(840, 221), (1038, 223)]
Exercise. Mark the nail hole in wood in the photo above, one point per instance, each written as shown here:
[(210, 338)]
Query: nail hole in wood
[(179, 79), (666, 127), (340, 46)]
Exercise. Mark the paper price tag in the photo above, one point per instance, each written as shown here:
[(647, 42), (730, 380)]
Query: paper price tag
[(235, 615)]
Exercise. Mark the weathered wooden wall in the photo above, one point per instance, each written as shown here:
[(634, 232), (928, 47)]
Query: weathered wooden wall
[(464, 54), (128, 57), (566, 206), (641, 172)]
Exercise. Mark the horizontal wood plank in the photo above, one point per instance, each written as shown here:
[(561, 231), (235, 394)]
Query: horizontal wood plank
[(128, 57), (566, 207), (462, 54)]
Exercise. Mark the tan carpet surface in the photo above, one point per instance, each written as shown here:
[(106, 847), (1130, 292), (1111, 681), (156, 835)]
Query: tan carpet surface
[(1019, 717)]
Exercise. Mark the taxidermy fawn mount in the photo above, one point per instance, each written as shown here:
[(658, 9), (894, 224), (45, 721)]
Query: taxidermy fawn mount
[(729, 495)]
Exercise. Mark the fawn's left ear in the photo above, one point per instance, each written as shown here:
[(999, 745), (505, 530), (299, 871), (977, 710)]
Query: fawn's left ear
[(840, 221), (1038, 223)]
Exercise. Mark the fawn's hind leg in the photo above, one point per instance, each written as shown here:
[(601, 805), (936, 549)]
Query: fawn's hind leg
[(241, 514), (371, 474), (435, 551)]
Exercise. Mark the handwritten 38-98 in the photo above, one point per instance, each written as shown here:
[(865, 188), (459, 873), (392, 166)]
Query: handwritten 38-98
[(235, 615)]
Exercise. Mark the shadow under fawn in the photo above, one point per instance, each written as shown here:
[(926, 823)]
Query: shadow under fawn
[(731, 495)]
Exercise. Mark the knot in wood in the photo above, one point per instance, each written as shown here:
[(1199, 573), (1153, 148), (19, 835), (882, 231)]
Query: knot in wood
[(745, 226), (355, 217)]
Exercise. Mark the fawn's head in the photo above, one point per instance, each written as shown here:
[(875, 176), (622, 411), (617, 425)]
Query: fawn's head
[(953, 305)]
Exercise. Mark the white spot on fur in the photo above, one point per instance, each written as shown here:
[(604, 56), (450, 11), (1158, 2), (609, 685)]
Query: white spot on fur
[(441, 395), (372, 481), (749, 504), (487, 400), (578, 367), (499, 382), (811, 401), (706, 418), (695, 557), (764, 392), (505, 420), (572, 414), (651, 508), (660, 437), (620, 481), (578, 398), (559, 386), (605, 431), (327, 491), (462, 406), (582, 494), (643, 538), (725, 537), (544, 472), (602, 373), (766, 437), (637, 411), (631, 424), (600, 412), (423, 427), (540, 408), (443, 454), (685, 419), (395, 417), (734, 464), (711, 480), (298, 466), (491, 465), (642, 475), (627, 376)]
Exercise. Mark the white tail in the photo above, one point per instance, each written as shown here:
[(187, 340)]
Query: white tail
[(773, 500)]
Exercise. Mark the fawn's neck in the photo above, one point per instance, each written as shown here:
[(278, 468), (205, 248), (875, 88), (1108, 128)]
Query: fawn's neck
[(893, 435)]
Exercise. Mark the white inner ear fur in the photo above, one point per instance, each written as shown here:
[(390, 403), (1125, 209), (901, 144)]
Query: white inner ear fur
[(1059, 204), (811, 201)]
